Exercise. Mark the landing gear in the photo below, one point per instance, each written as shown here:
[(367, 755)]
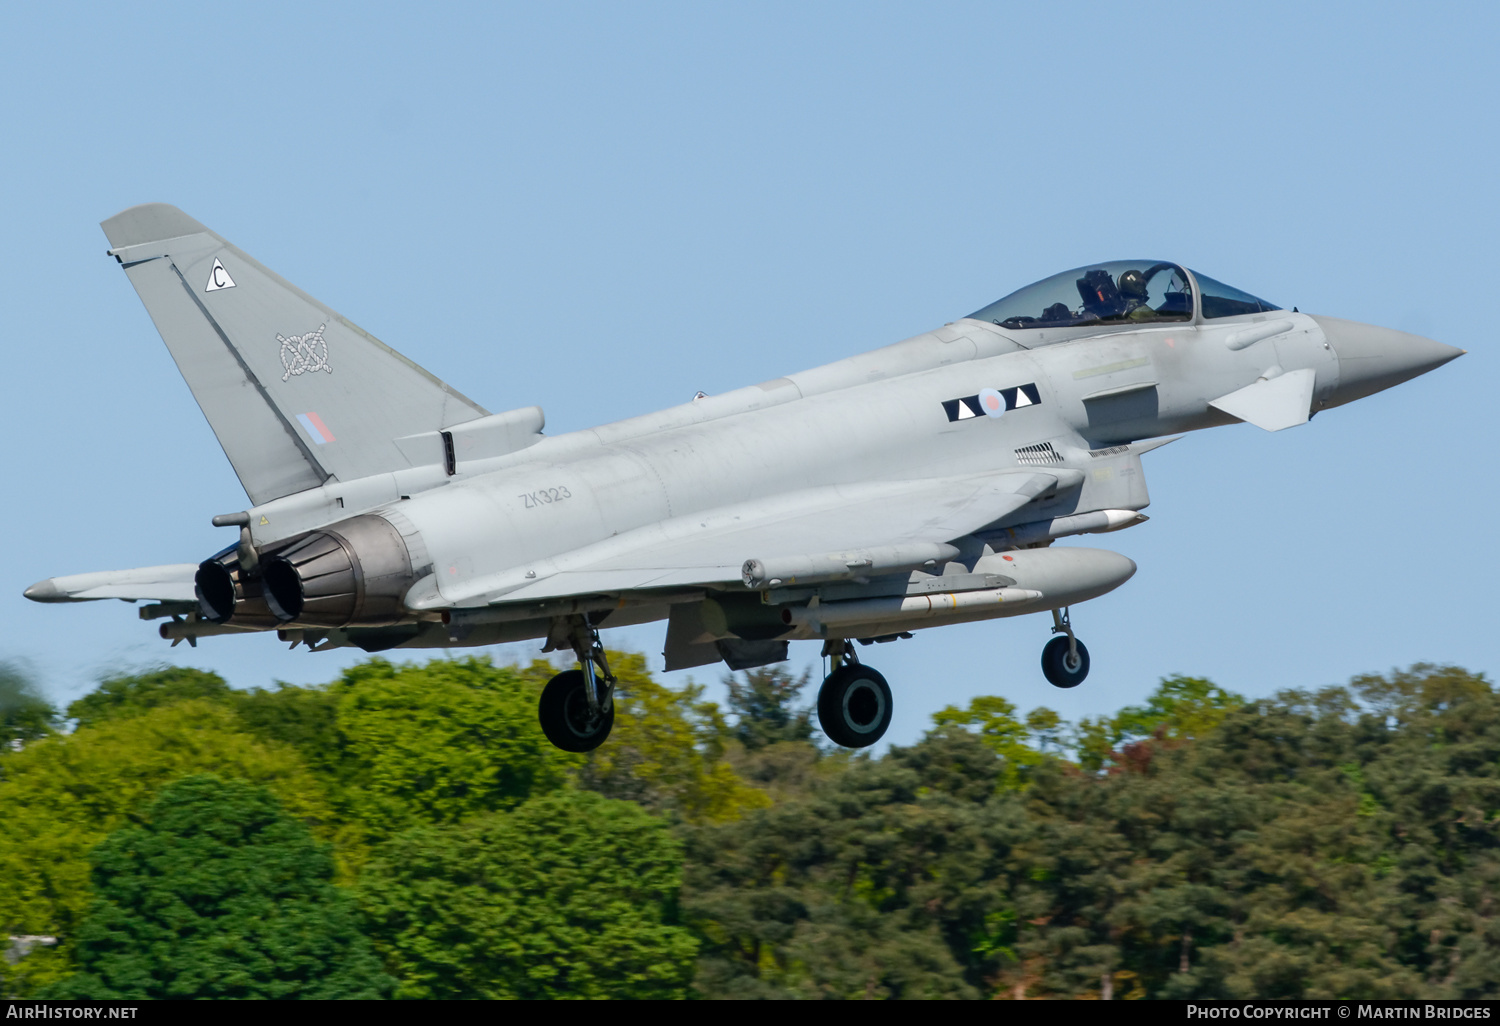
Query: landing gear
[(854, 703), (570, 721), (1065, 662), (577, 708)]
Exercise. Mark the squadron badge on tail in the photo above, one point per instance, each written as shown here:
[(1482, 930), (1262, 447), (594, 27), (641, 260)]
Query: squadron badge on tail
[(303, 354)]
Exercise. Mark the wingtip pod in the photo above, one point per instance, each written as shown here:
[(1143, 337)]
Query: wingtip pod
[(161, 583), (46, 591), (149, 222)]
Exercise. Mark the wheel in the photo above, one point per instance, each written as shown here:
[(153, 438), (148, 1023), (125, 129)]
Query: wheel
[(565, 715), (1058, 665), (854, 706)]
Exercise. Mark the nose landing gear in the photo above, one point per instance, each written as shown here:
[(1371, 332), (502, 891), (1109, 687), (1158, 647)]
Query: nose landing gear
[(1065, 662), (854, 703), (577, 709)]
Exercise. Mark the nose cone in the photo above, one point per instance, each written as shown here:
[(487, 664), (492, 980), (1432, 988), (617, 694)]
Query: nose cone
[(1372, 359)]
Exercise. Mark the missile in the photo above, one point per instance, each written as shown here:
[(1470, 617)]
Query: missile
[(1098, 522), (190, 630), (832, 566), (471, 617), (907, 608), (157, 610)]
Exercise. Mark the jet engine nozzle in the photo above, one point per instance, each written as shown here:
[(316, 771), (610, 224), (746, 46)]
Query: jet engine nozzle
[(351, 573), (228, 595)]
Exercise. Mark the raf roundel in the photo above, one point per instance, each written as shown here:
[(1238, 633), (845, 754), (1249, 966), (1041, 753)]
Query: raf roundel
[(991, 402)]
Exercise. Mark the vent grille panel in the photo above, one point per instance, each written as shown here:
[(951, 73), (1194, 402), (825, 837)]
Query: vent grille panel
[(1041, 454)]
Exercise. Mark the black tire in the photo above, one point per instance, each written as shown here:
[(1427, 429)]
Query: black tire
[(1059, 669), (565, 715), (854, 706)]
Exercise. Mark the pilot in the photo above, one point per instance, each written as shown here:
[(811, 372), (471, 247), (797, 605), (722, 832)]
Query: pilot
[(1136, 294)]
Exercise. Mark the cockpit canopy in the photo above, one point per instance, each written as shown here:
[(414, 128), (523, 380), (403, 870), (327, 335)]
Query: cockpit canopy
[(1119, 292)]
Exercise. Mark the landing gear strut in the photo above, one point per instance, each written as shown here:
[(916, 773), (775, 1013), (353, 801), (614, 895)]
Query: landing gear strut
[(1065, 662), (577, 708), (854, 703)]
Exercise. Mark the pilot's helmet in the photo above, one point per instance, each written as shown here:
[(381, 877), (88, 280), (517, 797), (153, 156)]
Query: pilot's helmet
[(1133, 285)]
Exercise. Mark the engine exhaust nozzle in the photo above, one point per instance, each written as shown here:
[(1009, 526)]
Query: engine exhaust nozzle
[(228, 595), (351, 573)]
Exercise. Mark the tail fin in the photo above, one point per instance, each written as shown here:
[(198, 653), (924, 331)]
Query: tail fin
[(295, 393)]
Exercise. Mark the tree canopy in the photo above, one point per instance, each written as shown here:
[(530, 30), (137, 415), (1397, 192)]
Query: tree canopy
[(25, 713), (219, 894), (765, 705), (1343, 842), (667, 751), (570, 895), (123, 696), (441, 742), (63, 795)]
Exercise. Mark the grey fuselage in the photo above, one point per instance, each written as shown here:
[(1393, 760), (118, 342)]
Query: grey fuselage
[(911, 486), (498, 523)]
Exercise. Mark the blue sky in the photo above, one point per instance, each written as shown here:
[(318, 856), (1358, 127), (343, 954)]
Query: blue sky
[(603, 208)]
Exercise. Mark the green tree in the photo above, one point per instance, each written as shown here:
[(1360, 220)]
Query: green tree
[(1343, 843), (764, 703), (440, 742), (994, 720), (1339, 843), (570, 895), (1254, 874), (305, 718), (62, 795), (131, 695), (219, 894), (1046, 728), (1180, 708), (887, 878), (1064, 881), (667, 750), (1093, 742), (25, 715), (1427, 745)]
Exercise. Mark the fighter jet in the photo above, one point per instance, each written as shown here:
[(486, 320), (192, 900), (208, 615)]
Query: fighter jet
[(917, 485)]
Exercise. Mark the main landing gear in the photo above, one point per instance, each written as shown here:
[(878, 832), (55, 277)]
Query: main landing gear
[(854, 703), (1065, 662), (577, 708)]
